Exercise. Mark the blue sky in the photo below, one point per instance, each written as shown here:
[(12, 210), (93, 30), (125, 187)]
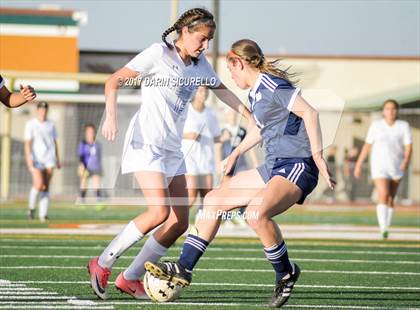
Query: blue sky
[(357, 27)]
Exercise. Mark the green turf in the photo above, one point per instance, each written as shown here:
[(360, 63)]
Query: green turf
[(247, 284), (233, 274), (14, 215)]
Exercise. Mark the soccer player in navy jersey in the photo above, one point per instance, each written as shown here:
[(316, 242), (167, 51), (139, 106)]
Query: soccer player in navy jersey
[(289, 128)]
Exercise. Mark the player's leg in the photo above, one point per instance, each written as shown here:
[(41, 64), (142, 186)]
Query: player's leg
[(83, 186), (205, 184), (175, 225), (393, 189), (157, 245), (192, 187), (153, 185), (382, 186), (36, 188), (96, 183), (235, 192), (279, 196), (44, 200)]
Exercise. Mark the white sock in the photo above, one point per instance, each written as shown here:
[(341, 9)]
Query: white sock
[(33, 197), (121, 243), (381, 213), (152, 251), (390, 213), (44, 201)]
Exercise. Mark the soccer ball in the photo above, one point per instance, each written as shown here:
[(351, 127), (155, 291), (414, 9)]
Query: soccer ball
[(160, 290)]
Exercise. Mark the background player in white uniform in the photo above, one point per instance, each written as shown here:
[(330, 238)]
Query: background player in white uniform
[(152, 148), (201, 132), (14, 100), (41, 155), (391, 144), (290, 130)]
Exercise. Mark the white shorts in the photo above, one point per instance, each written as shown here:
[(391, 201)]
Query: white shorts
[(195, 166), (42, 165), (388, 172), (152, 158)]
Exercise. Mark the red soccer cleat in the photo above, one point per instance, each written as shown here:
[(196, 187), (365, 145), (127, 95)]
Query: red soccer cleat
[(98, 278), (131, 287)]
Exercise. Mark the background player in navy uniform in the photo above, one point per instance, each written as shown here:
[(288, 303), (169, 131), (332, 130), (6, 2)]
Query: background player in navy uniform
[(14, 100), (290, 130)]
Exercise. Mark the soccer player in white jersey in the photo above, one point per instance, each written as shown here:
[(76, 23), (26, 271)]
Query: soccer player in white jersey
[(14, 100), (201, 132), (41, 154), (290, 130), (152, 148), (390, 141)]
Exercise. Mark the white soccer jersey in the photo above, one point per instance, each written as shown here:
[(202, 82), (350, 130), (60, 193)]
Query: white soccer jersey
[(388, 147), (167, 86), (43, 136), (199, 155)]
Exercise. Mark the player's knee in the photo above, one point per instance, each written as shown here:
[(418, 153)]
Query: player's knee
[(160, 214), (256, 222), (212, 201), (180, 227)]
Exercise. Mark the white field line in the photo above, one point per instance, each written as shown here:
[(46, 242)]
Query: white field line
[(352, 261), (34, 297), (220, 304), (23, 306), (7, 288), (411, 288), (19, 298), (50, 305), (291, 242), (361, 272), (215, 249), (265, 306), (14, 293)]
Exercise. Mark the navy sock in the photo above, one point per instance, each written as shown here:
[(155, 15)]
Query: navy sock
[(82, 193), (278, 257), (192, 250)]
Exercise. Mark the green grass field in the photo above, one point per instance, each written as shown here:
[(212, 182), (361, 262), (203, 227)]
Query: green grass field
[(49, 271)]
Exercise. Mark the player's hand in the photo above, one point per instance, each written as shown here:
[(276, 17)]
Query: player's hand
[(404, 166), (228, 164), (27, 92), (325, 172), (31, 168), (357, 171), (109, 128)]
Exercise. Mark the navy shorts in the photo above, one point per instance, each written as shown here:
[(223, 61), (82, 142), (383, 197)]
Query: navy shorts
[(94, 172), (301, 171)]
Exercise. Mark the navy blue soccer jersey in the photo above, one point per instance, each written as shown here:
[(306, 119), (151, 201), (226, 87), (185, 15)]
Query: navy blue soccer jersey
[(283, 132), (287, 146)]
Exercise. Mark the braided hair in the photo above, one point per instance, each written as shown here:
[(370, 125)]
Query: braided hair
[(249, 51), (193, 19)]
